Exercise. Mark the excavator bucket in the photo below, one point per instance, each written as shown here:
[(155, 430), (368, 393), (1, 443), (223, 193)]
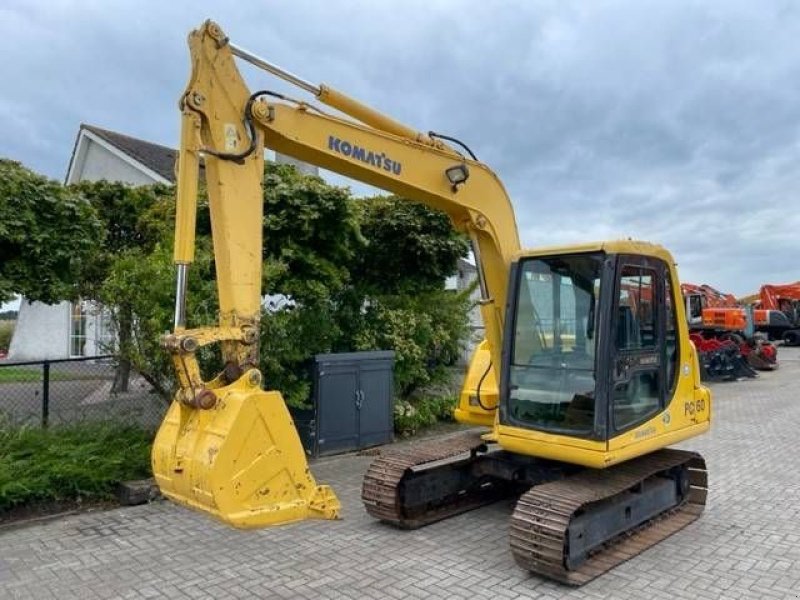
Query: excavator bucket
[(240, 461)]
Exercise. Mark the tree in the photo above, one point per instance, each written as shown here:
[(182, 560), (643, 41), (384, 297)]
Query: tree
[(426, 330), (48, 235), (134, 276), (334, 299), (123, 211), (311, 238), (365, 275), (410, 248), (147, 284), (311, 235)]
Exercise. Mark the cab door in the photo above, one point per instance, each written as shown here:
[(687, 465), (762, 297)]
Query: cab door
[(638, 356)]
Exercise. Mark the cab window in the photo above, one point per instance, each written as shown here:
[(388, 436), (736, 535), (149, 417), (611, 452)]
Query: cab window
[(638, 378), (552, 372)]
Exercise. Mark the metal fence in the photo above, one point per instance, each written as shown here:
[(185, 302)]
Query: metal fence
[(74, 390)]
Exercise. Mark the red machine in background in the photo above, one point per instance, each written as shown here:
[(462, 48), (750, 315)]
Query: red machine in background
[(718, 326)]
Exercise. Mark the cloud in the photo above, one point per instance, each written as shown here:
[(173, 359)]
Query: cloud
[(670, 121)]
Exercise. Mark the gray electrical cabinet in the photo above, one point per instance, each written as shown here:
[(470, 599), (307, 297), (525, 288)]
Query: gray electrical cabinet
[(353, 403)]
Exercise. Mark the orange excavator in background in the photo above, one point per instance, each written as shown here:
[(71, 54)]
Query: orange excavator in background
[(711, 311), (777, 309), (718, 327)]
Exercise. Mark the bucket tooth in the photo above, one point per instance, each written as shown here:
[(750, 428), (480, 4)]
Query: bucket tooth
[(324, 504), (240, 461)]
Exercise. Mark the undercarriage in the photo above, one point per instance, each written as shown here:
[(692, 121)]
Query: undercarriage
[(570, 523)]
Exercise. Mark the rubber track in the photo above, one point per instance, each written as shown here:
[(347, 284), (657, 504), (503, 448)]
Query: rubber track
[(382, 481), (541, 519)]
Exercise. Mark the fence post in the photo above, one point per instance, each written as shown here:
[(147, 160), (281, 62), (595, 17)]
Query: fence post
[(45, 392)]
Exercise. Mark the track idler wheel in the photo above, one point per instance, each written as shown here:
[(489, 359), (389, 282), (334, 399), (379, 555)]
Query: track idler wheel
[(792, 338)]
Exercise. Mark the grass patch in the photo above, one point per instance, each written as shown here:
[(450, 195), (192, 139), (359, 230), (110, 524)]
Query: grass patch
[(20, 374), (29, 374), (69, 464)]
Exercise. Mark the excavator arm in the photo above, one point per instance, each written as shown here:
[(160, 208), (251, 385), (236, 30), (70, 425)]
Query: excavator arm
[(771, 294), (229, 127)]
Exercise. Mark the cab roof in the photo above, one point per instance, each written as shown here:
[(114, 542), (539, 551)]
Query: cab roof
[(636, 247)]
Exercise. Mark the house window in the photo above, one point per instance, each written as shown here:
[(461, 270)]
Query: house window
[(104, 335), (77, 329)]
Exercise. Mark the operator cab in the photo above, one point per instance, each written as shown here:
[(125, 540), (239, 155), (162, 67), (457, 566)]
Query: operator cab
[(590, 344), (694, 310)]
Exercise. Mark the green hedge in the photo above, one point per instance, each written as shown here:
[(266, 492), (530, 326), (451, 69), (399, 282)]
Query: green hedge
[(69, 464)]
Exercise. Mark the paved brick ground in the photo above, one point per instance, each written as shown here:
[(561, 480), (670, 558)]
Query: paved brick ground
[(747, 545)]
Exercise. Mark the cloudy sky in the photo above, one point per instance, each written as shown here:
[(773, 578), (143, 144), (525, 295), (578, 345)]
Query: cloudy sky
[(676, 122)]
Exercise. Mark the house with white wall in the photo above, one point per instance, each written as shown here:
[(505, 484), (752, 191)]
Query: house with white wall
[(466, 276), (72, 329)]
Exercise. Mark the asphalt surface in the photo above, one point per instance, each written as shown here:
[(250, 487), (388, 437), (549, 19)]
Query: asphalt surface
[(746, 545)]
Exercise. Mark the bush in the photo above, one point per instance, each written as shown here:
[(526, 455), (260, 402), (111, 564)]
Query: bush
[(412, 415), (290, 338), (427, 332), (352, 274), (69, 464)]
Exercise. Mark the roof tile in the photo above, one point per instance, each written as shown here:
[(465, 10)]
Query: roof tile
[(160, 159)]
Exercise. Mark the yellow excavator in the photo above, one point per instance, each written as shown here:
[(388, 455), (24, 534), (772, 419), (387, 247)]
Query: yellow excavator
[(587, 350)]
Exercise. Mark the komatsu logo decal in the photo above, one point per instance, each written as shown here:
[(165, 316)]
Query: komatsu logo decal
[(379, 160)]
